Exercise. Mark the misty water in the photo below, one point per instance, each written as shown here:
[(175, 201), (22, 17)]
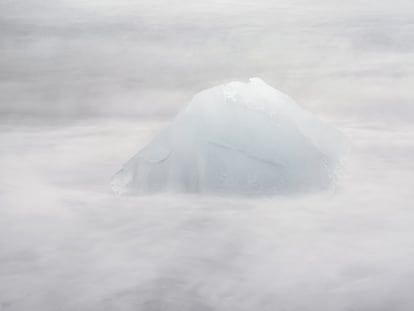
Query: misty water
[(84, 85)]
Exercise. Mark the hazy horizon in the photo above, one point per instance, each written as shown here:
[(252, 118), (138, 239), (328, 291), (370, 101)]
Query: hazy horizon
[(146, 59)]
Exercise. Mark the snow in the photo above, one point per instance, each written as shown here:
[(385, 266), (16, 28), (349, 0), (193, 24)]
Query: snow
[(237, 138)]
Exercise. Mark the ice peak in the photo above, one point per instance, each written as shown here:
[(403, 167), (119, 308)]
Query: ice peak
[(237, 138)]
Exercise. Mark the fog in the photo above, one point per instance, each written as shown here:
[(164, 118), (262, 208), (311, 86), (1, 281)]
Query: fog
[(85, 84), (146, 59)]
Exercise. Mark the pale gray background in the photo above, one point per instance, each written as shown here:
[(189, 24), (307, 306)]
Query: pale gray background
[(146, 58)]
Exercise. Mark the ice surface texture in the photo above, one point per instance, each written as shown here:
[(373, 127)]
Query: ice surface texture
[(239, 138)]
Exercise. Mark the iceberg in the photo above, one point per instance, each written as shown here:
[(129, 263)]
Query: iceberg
[(237, 138)]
